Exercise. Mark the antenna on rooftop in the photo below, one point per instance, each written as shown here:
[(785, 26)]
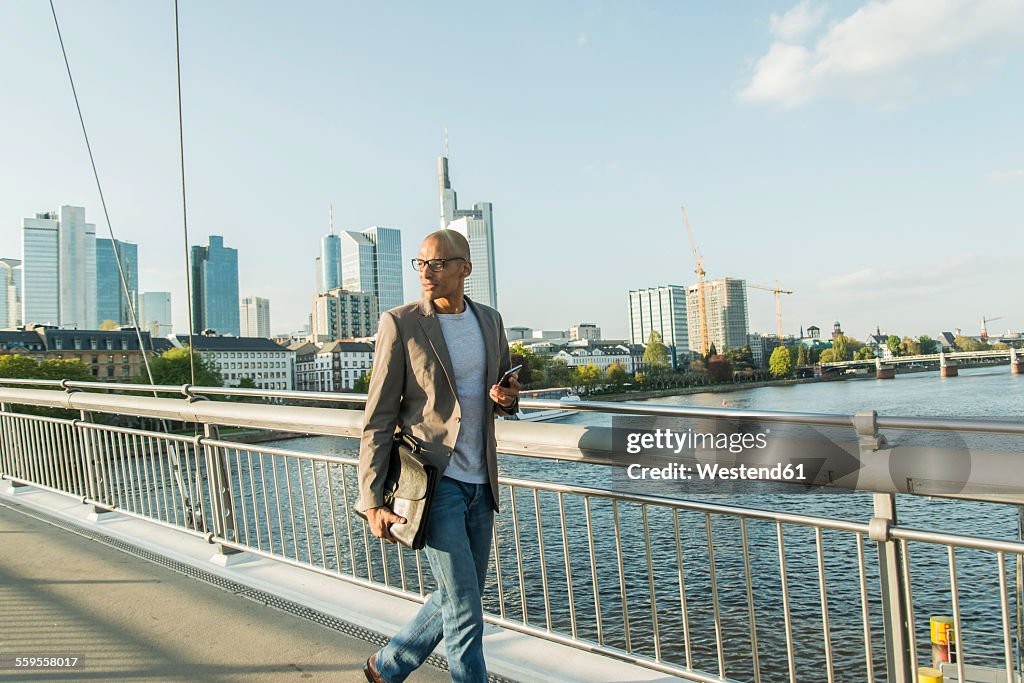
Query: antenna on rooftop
[(331, 220), (446, 141)]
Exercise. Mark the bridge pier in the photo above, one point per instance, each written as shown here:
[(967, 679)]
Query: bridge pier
[(947, 366), (884, 371), (1016, 362)]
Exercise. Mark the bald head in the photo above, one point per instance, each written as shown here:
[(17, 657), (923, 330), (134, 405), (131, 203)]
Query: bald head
[(453, 244)]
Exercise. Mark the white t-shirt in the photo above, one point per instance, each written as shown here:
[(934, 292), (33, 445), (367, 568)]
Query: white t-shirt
[(465, 344)]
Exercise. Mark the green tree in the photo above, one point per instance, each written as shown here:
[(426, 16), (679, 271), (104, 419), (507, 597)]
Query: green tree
[(893, 344), (247, 383), (864, 353), (909, 347), (587, 376), (1000, 346), (827, 356), (656, 353), (16, 366), (741, 358), (532, 371), (616, 374), (362, 384), (780, 364), (841, 348), (927, 344), (557, 374), (172, 367), (969, 344), (22, 367), (712, 351), (719, 369), (65, 369), (803, 357)]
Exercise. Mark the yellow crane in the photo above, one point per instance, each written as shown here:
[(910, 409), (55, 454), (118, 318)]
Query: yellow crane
[(778, 301), (701, 308)]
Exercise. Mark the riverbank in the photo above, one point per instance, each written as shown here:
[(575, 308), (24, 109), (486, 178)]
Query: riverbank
[(710, 389)]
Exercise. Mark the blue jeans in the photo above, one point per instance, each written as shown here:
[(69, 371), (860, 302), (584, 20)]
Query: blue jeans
[(458, 548)]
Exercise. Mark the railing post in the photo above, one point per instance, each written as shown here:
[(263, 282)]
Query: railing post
[(8, 465), (1020, 593), (219, 480), (894, 599), (92, 472), (895, 603)]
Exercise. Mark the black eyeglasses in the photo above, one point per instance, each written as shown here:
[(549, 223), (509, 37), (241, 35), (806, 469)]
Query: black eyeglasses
[(435, 264)]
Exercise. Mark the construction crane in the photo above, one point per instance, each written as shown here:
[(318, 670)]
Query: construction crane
[(778, 301), (701, 306), (984, 325)]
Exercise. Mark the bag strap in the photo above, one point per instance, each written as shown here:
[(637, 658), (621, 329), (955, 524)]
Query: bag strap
[(414, 444)]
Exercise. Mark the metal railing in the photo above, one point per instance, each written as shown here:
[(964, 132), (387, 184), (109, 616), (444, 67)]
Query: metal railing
[(703, 590)]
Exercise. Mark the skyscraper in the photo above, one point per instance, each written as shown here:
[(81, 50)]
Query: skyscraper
[(155, 313), (387, 262), (477, 226), (725, 303), (254, 317), (215, 288), (330, 259), (10, 292), (59, 269), (372, 262), (662, 310), (111, 302), (357, 263)]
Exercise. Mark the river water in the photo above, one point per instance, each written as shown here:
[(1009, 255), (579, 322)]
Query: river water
[(979, 392)]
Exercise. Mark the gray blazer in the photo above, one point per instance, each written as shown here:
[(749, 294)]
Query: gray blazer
[(412, 388)]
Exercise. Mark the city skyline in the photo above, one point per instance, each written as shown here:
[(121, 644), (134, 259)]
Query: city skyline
[(860, 188)]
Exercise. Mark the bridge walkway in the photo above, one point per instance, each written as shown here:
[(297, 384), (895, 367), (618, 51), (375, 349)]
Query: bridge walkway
[(132, 620)]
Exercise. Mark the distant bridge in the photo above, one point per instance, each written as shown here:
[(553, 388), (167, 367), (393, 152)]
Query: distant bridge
[(885, 368)]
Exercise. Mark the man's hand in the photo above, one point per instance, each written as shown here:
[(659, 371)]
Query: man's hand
[(381, 519), (506, 396)]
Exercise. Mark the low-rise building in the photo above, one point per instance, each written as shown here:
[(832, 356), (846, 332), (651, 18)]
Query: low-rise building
[(267, 364), (336, 366), (303, 367), (518, 333), (879, 344), (111, 355), (631, 359), (588, 331)]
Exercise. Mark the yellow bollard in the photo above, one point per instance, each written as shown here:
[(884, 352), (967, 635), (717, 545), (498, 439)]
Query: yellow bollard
[(943, 641), (926, 674)]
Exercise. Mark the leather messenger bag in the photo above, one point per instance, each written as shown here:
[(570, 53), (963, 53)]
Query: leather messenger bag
[(412, 477)]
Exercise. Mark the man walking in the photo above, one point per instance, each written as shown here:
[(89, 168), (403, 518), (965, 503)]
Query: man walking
[(435, 374)]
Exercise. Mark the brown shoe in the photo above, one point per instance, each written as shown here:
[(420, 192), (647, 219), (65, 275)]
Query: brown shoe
[(370, 670)]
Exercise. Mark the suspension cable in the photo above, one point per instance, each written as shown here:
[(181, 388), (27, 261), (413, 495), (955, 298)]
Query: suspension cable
[(184, 204), (103, 202)]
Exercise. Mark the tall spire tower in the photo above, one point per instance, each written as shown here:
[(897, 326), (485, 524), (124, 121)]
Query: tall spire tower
[(328, 264), (476, 225), (449, 202)]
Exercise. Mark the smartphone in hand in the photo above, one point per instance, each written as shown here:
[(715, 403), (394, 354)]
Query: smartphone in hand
[(512, 372)]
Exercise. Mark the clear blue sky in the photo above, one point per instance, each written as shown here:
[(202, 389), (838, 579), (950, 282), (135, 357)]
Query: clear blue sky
[(868, 155)]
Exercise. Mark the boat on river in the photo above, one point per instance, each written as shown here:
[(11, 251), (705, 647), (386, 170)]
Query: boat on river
[(561, 394)]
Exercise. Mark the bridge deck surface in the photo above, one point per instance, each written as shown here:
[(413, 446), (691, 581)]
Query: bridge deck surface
[(130, 619)]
